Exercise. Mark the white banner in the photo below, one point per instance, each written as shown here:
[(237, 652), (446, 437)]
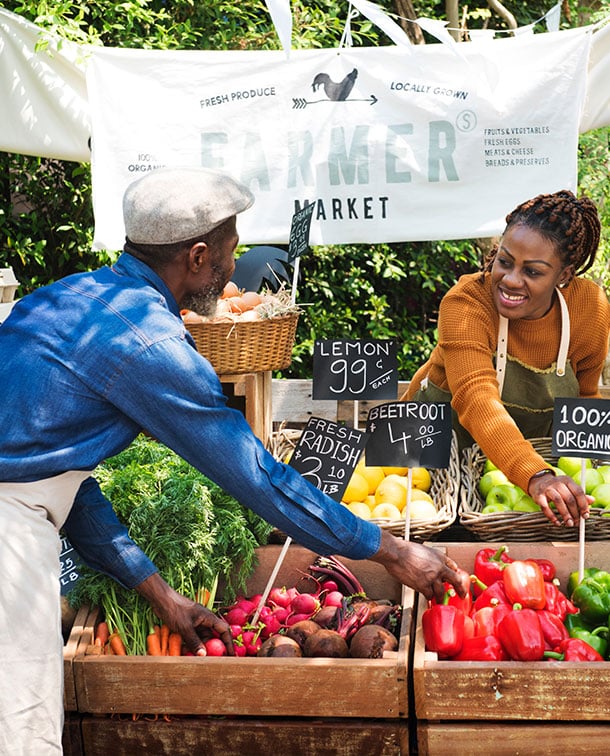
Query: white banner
[(391, 145), (43, 93)]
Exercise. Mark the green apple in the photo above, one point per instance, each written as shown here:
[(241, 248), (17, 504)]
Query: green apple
[(489, 466), (495, 508), (601, 494), (593, 479), (605, 471), (489, 480), (571, 465), (503, 493), (526, 504)]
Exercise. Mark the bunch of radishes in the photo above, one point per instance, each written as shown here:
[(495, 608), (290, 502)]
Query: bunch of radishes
[(326, 614)]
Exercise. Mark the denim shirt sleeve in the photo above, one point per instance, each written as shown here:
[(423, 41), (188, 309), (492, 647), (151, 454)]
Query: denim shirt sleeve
[(98, 536), (183, 407)]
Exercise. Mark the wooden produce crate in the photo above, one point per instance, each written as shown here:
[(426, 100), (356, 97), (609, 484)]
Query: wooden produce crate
[(257, 687), (519, 707), (185, 736), (80, 637)]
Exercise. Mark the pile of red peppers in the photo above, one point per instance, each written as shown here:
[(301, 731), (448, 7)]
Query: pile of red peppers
[(515, 612)]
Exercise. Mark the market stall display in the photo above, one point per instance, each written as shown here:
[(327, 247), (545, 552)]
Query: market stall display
[(367, 691)]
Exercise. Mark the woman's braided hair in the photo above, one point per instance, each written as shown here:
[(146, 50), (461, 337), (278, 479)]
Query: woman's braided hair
[(571, 224)]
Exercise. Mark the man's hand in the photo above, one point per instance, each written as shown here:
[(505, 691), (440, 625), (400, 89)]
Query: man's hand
[(193, 621), (420, 567)]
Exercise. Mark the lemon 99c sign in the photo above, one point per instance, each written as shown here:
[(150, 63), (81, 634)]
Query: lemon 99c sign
[(409, 434)]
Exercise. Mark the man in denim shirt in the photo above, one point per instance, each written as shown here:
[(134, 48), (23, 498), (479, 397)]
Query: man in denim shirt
[(86, 364)]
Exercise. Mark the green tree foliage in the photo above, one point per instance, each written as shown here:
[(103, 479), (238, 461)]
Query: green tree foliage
[(360, 291)]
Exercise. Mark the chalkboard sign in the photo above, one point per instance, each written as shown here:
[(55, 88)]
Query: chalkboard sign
[(581, 428), (355, 369), (298, 241), (69, 562), (409, 434), (326, 455)]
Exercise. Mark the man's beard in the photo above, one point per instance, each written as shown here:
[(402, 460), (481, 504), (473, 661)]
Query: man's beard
[(204, 301)]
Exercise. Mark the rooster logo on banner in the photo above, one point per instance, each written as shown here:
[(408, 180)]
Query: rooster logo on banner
[(335, 91)]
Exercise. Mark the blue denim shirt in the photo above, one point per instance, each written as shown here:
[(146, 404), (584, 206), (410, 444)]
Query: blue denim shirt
[(89, 361)]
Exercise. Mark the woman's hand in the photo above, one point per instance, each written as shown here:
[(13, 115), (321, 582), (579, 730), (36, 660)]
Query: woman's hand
[(570, 501)]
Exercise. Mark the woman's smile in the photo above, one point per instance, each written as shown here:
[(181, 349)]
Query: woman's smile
[(525, 273)]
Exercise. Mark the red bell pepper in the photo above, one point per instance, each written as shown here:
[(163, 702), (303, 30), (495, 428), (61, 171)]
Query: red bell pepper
[(489, 564), (520, 634), (547, 568), (557, 602), (553, 629), (487, 618), (575, 649), (443, 629), (524, 584), (491, 595), (481, 648), (464, 604)]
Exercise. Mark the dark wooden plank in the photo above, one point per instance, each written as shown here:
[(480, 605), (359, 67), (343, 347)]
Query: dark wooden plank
[(508, 738), (237, 737)]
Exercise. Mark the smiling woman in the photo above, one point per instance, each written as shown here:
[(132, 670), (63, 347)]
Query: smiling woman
[(525, 330)]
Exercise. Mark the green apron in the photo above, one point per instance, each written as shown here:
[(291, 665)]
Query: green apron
[(528, 394)]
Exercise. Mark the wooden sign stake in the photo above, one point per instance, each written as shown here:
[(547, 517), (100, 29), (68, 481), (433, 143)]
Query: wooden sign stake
[(581, 529), (272, 577)]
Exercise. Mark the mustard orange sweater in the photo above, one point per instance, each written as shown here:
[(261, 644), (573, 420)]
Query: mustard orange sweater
[(463, 361)]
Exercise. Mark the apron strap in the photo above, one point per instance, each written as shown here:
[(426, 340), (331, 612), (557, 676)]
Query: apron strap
[(564, 343)]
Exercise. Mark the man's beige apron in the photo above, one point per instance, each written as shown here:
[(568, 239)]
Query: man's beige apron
[(31, 656), (527, 393)]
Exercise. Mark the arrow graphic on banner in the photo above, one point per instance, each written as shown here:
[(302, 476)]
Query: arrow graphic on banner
[(300, 102)]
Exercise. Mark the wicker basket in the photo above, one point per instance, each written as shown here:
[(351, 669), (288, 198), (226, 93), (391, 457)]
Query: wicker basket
[(516, 526), (249, 347), (443, 490)]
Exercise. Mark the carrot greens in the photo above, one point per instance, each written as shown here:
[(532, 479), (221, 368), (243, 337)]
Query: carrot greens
[(193, 531)]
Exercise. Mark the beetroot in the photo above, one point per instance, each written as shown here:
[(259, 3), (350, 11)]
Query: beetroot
[(302, 630), (280, 645), (326, 643), (370, 641), (326, 617)]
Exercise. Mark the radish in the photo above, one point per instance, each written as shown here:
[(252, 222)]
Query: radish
[(292, 619), (304, 603), (333, 598), (236, 616), (279, 597), (215, 647)]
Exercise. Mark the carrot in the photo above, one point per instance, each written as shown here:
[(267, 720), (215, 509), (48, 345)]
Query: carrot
[(165, 632), (174, 647), (153, 642), (102, 633), (117, 645)]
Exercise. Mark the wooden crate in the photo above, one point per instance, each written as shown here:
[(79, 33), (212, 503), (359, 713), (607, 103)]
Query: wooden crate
[(478, 738), (80, 637), (236, 737), (512, 691), (228, 686)]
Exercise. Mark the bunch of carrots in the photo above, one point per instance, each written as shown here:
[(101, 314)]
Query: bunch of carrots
[(160, 641)]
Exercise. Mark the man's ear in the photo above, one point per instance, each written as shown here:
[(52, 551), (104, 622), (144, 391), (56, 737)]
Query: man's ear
[(197, 256)]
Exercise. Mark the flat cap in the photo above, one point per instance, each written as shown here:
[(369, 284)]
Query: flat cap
[(171, 205)]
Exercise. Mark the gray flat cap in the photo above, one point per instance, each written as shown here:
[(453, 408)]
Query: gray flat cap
[(171, 205)]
